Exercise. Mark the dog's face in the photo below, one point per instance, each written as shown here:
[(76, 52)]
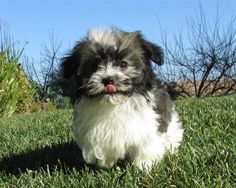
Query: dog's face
[(110, 65)]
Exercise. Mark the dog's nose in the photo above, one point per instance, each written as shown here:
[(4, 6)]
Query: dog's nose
[(107, 81)]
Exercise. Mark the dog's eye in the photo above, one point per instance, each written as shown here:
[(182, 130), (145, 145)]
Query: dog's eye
[(123, 64)]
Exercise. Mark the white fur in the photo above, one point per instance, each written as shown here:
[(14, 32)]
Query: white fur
[(174, 134), (107, 132), (102, 35)]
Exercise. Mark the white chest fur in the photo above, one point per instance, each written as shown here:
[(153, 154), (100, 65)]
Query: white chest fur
[(106, 133)]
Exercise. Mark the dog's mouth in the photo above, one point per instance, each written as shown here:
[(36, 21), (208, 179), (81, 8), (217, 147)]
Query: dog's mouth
[(111, 94), (105, 93), (110, 89)]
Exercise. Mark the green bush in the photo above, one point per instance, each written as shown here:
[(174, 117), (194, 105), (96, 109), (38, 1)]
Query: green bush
[(63, 103), (16, 92)]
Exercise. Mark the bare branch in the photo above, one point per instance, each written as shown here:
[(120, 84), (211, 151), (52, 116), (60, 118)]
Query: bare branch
[(205, 63)]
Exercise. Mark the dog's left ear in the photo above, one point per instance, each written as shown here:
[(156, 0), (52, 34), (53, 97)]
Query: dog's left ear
[(153, 52), (69, 66), (71, 63)]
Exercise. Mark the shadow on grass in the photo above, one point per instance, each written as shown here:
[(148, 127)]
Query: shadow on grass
[(62, 156)]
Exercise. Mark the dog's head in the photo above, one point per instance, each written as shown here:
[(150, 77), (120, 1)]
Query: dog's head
[(111, 65)]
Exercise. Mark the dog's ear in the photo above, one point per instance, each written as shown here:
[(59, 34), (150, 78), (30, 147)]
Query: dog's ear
[(71, 63), (152, 51)]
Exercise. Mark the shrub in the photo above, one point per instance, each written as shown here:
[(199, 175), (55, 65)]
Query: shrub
[(16, 92), (63, 102)]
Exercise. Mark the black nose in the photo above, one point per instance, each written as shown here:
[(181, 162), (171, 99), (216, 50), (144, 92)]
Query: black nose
[(107, 81)]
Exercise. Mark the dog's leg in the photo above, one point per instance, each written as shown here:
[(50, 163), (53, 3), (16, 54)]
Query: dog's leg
[(89, 157), (102, 159), (106, 163), (146, 157)]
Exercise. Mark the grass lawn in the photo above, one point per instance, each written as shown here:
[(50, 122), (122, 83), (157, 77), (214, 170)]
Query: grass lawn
[(38, 150)]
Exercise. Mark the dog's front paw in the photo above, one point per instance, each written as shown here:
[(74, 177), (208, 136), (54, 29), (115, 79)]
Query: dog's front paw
[(100, 161), (145, 165), (105, 163)]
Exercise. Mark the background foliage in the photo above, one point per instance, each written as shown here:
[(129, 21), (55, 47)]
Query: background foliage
[(16, 92)]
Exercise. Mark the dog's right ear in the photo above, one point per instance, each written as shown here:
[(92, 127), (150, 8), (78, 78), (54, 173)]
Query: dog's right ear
[(71, 63)]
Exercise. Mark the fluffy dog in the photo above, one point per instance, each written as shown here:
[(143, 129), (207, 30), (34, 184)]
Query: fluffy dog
[(121, 109)]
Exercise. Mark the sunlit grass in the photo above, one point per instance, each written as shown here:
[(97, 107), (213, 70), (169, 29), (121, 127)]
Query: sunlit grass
[(38, 150)]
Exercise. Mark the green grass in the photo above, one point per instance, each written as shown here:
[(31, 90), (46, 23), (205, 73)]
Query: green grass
[(37, 150)]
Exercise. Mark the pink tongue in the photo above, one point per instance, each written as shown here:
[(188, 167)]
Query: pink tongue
[(110, 88)]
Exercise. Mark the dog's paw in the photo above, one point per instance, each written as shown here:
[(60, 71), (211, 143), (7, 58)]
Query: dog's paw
[(106, 163), (145, 165)]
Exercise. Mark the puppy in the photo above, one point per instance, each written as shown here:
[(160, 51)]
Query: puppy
[(121, 109)]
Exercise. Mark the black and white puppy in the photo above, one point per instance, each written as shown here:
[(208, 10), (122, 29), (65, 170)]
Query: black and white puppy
[(121, 109)]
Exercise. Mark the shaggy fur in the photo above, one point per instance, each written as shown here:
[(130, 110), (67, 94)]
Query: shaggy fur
[(121, 109)]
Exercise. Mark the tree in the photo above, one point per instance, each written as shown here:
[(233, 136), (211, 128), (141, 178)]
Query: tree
[(46, 74), (202, 63)]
